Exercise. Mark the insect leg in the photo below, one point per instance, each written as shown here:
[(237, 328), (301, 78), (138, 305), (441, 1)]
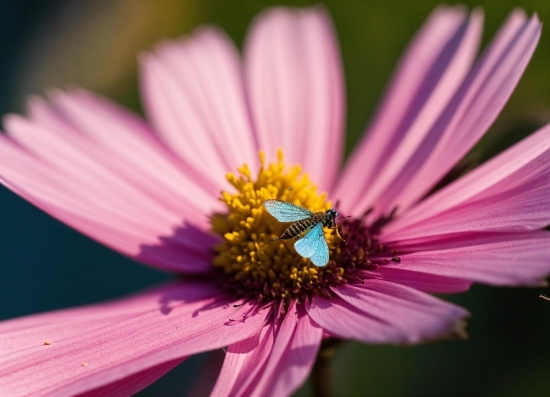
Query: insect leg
[(335, 227)]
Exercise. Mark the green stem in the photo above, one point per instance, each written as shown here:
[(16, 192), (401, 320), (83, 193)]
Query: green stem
[(322, 370)]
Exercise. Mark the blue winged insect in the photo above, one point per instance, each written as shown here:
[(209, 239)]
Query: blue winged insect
[(312, 244)]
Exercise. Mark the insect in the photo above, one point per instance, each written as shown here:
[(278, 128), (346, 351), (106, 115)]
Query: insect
[(313, 244)]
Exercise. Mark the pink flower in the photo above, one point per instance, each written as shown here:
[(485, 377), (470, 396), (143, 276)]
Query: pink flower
[(152, 193)]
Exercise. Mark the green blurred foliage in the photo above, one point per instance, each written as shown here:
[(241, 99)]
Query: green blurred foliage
[(94, 44)]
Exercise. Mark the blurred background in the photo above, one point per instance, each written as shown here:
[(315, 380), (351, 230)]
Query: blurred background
[(93, 44)]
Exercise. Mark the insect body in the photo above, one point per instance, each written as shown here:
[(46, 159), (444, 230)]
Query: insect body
[(313, 244)]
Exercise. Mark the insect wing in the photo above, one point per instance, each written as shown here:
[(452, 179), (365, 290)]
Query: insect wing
[(320, 257), (314, 246), (286, 212)]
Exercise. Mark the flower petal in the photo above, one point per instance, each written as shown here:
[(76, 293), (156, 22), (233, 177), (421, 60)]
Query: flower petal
[(383, 312), (119, 338), (430, 71), (293, 355), (463, 121), (509, 192), (133, 383), (275, 363), (472, 110), (492, 258), (243, 363), (204, 383), (425, 282), (99, 169), (193, 93), (294, 79)]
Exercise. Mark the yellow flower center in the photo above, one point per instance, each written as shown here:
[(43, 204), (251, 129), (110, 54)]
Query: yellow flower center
[(253, 265)]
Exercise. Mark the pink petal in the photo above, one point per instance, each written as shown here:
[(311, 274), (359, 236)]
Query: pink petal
[(205, 381), (293, 355), (99, 169), (119, 339), (119, 130), (294, 78), (193, 94), (470, 113), (134, 383), (243, 363), (383, 312), (275, 363), (425, 282), (429, 73), (493, 258), (510, 192)]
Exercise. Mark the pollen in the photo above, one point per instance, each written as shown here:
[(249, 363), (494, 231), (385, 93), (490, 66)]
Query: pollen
[(251, 264)]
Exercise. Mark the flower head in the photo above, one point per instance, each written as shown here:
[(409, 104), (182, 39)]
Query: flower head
[(185, 193)]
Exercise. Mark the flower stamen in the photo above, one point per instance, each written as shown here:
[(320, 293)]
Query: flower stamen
[(253, 265), (256, 264)]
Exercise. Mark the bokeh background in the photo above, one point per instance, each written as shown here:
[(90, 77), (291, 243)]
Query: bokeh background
[(45, 265)]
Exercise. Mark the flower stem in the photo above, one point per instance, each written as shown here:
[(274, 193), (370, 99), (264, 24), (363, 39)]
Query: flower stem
[(322, 369)]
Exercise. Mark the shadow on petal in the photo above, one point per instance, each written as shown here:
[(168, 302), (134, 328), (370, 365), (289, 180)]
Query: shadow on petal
[(188, 250)]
